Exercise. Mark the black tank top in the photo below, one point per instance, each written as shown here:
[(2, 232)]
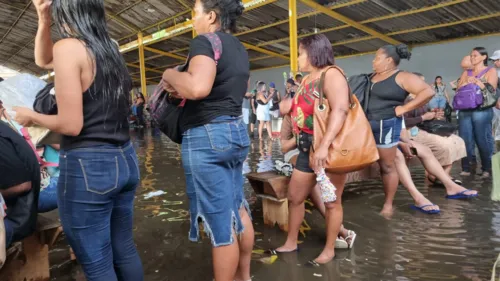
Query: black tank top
[(104, 121), (385, 96)]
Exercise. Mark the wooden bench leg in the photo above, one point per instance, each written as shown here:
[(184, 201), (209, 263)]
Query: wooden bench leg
[(33, 264), (275, 212)]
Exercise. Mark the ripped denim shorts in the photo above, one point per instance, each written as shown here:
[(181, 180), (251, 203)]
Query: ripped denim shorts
[(213, 157)]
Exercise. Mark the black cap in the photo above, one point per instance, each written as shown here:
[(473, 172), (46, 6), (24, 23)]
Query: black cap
[(290, 81)]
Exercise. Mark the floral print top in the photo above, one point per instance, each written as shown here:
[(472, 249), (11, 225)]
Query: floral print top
[(303, 106)]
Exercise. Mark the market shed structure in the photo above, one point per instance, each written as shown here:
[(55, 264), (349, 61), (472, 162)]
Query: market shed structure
[(155, 34)]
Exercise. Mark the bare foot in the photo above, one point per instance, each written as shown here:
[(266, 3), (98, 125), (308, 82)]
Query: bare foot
[(387, 211), (424, 201), (287, 248), (326, 256), (455, 189)]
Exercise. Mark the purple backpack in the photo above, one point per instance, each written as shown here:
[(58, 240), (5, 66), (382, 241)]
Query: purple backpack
[(469, 96)]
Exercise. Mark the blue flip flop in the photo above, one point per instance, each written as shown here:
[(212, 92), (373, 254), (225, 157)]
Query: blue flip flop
[(421, 209), (461, 195)]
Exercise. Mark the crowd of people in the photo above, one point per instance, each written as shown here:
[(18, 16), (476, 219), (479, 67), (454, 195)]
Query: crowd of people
[(97, 172)]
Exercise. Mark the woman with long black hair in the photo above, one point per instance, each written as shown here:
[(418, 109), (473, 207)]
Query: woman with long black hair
[(215, 141), (98, 165)]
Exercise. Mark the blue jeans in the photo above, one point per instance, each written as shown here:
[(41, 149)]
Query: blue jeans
[(47, 200), (213, 156), (95, 196), (476, 126), (437, 102)]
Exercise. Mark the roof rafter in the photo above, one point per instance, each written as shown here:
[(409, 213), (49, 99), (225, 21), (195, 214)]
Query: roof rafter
[(350, 22)]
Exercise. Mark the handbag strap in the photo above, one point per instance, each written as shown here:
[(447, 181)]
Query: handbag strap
[(483, 72), (322, 82)]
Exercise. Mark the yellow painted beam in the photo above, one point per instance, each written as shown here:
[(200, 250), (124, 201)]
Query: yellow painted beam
[(142, 64), (305, 15), (294, 51), (146, 68), (192, 17), (123, 22), (264, 51), (375, 19), (423, 28), (350, 22), (184, 27), (163, 53), (158, 23)]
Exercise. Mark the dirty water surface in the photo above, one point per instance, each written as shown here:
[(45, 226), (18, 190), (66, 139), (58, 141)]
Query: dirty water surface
[(461, 243)]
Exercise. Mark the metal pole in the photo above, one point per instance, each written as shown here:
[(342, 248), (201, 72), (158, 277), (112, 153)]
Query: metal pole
[(192, 17), (292, 13), (142, 65)]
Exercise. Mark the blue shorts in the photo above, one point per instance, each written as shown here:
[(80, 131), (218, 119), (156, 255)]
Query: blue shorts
[(213, 157), (387, 132), (437, 102)]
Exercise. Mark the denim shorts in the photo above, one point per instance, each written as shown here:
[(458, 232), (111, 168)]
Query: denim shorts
[(304, 145), (437, 102), (387, 132), (213, 157)]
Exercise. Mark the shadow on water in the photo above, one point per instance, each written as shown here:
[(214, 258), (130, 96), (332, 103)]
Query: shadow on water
[(461, 243)]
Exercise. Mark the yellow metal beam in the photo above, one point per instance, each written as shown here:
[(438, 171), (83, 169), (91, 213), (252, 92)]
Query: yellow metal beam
[(292, 14), (350, 22), (163, 53), (264, 51), (142, 65), (123, 22), (305, 15), (483, 17), (192, 17), (159, 23), (146, 68), (423, 28), (375, 19), (183, 27)]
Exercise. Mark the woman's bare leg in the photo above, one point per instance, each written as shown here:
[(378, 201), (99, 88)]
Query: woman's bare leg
[(406, 180), (226, 260), (246, 241), (334, 218), (269, 129), (261, 126), (300, 186), (390, 178), (432, 164)]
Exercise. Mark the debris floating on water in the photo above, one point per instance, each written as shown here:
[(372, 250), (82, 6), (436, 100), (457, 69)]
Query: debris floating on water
[(317, 275), (154, 194), (269, 260)]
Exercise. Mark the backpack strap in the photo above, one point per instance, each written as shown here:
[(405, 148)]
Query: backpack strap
[(216, 45), (483, 72)]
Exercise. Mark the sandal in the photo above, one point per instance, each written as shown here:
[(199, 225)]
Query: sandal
[(340, 243), (274, 252), (351, 237)]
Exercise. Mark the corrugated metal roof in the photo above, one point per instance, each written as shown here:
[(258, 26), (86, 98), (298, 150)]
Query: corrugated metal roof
[(449, 20)]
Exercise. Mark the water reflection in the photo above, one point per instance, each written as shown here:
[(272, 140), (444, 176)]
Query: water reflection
[(461, 243)]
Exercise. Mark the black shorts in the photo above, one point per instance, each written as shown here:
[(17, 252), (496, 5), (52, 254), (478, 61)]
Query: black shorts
[(304, 145), (253, 118)]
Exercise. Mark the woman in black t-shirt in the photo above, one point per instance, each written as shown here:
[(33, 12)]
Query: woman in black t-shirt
[(215, 140)]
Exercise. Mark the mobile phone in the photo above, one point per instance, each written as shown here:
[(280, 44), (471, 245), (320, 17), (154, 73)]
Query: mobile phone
[(413, 151)]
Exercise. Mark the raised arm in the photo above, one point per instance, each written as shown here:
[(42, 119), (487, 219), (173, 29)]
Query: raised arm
[(43, 39), (70, 57), (413, 84)]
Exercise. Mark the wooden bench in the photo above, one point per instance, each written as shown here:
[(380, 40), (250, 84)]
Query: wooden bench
[(272, 189), (28, 260)]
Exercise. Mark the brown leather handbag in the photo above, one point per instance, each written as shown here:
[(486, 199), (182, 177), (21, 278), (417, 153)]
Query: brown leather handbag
[(354, 147)]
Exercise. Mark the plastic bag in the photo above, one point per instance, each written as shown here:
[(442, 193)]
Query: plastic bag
[(20, 90)]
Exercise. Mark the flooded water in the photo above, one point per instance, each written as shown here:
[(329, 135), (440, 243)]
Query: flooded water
[(461, 243)]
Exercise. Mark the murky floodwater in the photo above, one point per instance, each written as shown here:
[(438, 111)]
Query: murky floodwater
[(461, 243)]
